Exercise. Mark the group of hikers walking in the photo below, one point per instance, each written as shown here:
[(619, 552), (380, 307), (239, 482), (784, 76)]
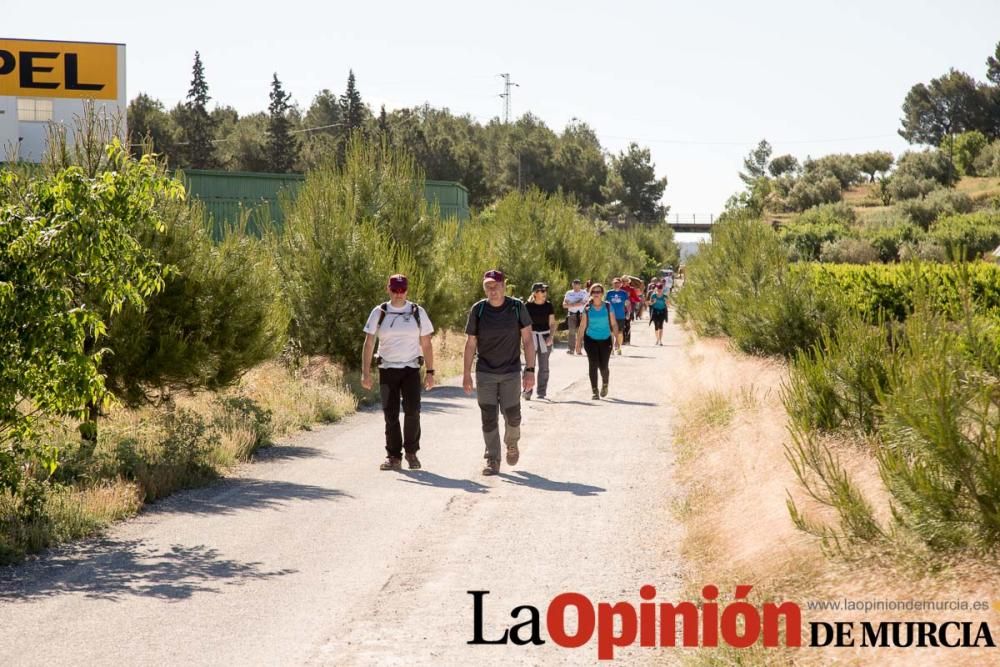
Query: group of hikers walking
[(498, 327)]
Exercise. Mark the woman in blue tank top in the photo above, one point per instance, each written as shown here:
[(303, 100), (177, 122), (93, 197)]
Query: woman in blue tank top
[(599, 326)]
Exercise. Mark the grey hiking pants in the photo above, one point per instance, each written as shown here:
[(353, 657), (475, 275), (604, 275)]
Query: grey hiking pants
[(499, 393)]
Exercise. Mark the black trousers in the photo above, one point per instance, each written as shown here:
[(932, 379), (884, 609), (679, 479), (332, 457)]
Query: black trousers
[(396, 383), (626, 327), (598, 356)]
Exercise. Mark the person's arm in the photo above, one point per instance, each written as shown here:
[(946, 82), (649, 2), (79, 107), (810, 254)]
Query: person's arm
[(566, 302), (528, 340), (366, 361), (552, 329), (581, 330), (470, 352), (428, 349), (614, 322)]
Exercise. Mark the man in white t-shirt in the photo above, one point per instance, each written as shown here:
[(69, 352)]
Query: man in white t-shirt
[(404, 333), (574, 303)]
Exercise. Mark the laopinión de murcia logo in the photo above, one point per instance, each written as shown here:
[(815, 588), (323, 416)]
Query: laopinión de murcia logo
[(706, 624)]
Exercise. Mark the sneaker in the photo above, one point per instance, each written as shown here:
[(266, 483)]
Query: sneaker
[(492, 467), (513, 454), (412, 461), (596, 396), (604, 390), (526, 395), (392, 463), (569, 351), (619, 352)]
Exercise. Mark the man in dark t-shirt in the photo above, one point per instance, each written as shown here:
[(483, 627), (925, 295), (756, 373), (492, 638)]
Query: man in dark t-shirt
[(496, 328)]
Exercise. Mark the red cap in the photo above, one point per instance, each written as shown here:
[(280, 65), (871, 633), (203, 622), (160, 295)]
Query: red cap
[(398, 283), (493, 274)]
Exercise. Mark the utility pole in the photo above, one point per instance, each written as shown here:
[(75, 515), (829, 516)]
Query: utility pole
[(505, 95)]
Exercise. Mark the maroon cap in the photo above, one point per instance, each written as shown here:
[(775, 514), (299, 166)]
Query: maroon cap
[(493, 274), (398, 283)]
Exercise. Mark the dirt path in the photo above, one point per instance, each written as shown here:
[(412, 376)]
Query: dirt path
[(314, 556)]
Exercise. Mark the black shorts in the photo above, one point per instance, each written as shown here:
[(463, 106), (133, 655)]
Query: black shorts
[(658, 317)]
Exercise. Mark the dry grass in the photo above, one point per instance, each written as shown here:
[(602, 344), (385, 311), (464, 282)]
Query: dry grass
[(981, 189), (738, 530), (151, 452)]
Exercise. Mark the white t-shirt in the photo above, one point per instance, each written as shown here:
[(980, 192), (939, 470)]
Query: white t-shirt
[(399, 337), (576, 299)]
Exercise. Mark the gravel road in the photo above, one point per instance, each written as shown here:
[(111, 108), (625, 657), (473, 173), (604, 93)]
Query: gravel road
[(311, 555)]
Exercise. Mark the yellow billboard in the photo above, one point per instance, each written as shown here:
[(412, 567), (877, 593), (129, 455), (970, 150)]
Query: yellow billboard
[(35, 68)]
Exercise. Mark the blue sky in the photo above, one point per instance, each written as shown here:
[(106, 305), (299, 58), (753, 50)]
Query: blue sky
[(699, 82)]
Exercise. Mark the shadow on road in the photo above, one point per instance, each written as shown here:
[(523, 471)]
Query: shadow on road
[(112, 569), (534, 481), (622, 401), (425, 478), (232, 495), (287, 453), (446, 392)]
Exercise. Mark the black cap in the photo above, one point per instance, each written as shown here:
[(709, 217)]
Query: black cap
[(539, 286)]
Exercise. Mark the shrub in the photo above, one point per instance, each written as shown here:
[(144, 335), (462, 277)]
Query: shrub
[(889, 234), (967, 236), (987, 163), (845, 168), (906, 186), (924, 211), (930, 164), (941, 422), (813, 190), (966, 149), (848, 251)]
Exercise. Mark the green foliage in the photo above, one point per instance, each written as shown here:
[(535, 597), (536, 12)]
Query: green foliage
[(873, 163), (925, 210), (740, 285), (966, 148), (282, 146), (69, 254), (848, 251), (930, 164), (197, 125), (349, 227), (988, 161), (633, 191), (807, 232), (755, 163), (813, 189), (890, 236), (845, 168), (948, 105), (967, 236), (221, 311), (941, 422), (836, 383), (783, 164), (147, 119)]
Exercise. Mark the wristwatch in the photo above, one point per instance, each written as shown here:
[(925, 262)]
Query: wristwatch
[(529, 369), (429, 371)]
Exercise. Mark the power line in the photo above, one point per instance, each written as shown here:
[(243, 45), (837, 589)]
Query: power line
[(694, 142)]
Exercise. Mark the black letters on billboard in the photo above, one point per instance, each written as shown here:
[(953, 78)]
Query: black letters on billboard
[(28, 69), (73, 75)]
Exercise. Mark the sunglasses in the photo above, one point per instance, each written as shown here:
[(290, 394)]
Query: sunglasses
[(598, 291), (398, 290)]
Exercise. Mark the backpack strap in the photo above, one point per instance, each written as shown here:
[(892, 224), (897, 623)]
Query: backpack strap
[(507, 300), (384, 308)]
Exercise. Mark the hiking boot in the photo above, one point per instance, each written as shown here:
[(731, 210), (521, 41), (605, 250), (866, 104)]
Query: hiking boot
[(596, 396), (604, 390), (412, 461), (526, 395), (391, 463), (513, 454), (492, 467)]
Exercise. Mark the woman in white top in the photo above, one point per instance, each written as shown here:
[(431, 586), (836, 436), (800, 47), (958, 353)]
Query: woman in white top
[(404, 333)]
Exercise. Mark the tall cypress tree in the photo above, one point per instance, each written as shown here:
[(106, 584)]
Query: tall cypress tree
[(351, 105), (383, 125), (198, 126), (282, 147)]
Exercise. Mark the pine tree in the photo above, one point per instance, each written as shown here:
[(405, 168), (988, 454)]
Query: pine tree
[(197, 123), (383, 125), (282, 147), (353, 109)]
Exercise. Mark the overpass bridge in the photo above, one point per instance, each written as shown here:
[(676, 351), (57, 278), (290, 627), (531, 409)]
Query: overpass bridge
[(696, 223)]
